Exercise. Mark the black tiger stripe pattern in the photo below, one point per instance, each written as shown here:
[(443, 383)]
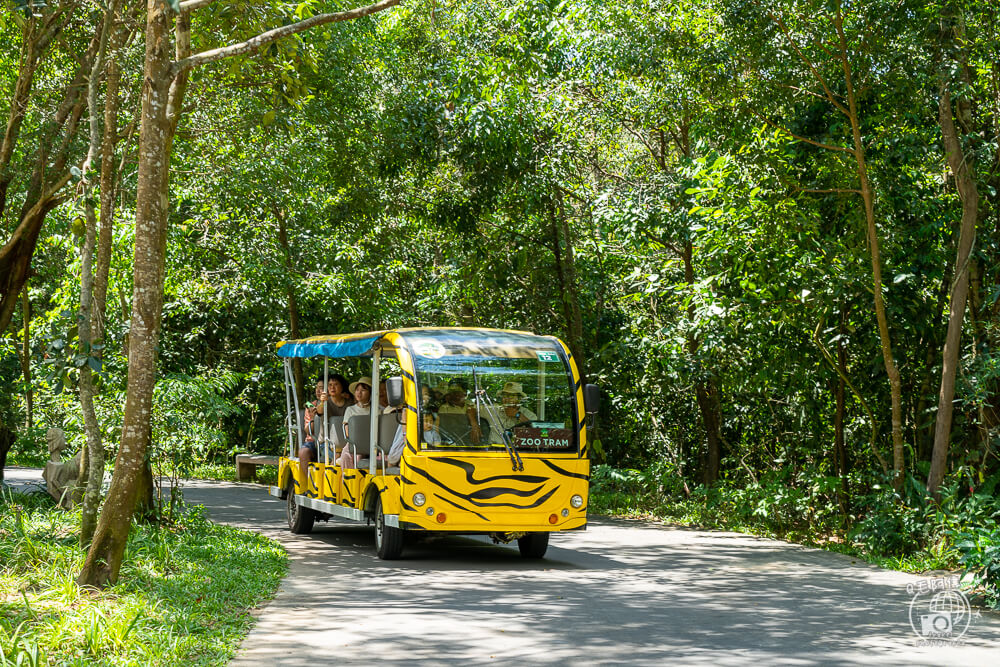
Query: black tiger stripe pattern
[(466, 509), (470, 469), (347, 489), (471, 499), (567, 473)]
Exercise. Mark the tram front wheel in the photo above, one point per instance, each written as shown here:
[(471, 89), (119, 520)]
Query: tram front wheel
[(388, 539), (300, 519), (533, 545)]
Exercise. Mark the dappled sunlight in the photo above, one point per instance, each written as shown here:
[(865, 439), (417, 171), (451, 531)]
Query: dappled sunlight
[(620, 591)]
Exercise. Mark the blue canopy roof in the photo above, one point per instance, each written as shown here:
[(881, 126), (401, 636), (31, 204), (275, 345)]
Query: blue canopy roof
[(429, 342), (352, 345)]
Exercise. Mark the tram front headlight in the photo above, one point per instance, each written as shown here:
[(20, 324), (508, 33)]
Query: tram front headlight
[(576, 501), (430, 511), (419, 499)]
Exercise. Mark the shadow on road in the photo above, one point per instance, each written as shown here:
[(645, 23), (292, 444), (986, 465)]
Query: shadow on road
[(616, 593)]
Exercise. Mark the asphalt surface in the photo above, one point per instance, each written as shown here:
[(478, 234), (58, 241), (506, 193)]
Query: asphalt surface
[(621, 592)]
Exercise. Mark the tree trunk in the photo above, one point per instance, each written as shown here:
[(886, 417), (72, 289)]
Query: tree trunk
[(840, 415), (839, 450), (145, 503), (923, 424), (568, 295), (707, 394), (108, 546), (42, 192), (6, 442), (968, 193), (15, 258), (706, 390), (95, 446), (29, 394), (36, 36), (105, 241), (868, 198), (573, 290), (164, 85)]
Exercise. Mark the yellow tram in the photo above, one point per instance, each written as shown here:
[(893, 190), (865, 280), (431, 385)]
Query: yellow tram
[(494, 429)]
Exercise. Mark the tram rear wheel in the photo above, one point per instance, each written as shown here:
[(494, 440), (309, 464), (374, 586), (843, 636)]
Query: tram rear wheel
[(533, 545), (388, 539), (300, 519)]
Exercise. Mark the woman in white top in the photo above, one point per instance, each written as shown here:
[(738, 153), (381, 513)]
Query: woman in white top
[(362, 390)]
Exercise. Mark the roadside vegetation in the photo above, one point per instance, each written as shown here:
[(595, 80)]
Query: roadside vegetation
[(905, 531), (185, 595), (769, 231)]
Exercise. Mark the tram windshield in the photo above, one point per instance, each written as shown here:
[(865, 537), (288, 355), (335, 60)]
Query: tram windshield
[(494, 390)]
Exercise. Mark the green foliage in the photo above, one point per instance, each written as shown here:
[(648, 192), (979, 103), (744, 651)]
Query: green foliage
[(907, 531), (186, 592), (980, 549), (188, 418), (30, 449), (669, 187)]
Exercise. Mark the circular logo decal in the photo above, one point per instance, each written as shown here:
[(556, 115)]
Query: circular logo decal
[(430, 349)]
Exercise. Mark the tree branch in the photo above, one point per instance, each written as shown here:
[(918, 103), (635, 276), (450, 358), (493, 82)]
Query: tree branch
[(830, 191), (809, 64), (804, 91), (519, 235), (663, 242), (797, 137), (265, 38), (857, 394), (191, 5)]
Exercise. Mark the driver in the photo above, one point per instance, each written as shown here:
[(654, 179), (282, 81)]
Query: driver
[(510, 412)]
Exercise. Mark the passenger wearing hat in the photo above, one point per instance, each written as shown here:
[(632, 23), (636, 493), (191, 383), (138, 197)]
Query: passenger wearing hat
[(509, 413), (362, 391)]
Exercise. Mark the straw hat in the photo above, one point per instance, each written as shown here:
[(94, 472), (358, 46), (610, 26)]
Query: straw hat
[(513, 388), (363, 380)]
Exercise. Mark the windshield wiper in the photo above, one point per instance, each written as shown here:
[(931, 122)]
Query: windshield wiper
[(517, 465)]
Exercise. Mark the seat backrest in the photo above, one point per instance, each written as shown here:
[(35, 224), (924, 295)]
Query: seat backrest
[(338, 432), (359, 429), (387, 425), (301, 428), (454, 428)]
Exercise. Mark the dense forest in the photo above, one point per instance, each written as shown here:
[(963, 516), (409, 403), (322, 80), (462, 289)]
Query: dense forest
[(769, 230)]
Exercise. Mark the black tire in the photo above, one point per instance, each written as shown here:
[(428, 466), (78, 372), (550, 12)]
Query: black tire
[(300, 519), (533, 545), (388, 539)]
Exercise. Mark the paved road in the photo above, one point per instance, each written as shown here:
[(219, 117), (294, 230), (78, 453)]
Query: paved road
[(23, 480), (621, 592)]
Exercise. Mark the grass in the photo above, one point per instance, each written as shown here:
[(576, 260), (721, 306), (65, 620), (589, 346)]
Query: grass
[(184, 595)]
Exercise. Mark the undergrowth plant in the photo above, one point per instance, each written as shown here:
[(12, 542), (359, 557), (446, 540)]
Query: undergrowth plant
[(184, 598), (906, 530)]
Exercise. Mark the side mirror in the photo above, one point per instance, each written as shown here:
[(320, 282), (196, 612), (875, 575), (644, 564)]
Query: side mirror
[(591, 398), (394, 391)]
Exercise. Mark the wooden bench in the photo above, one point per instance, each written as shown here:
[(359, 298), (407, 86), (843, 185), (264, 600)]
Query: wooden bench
[(246, 465)]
